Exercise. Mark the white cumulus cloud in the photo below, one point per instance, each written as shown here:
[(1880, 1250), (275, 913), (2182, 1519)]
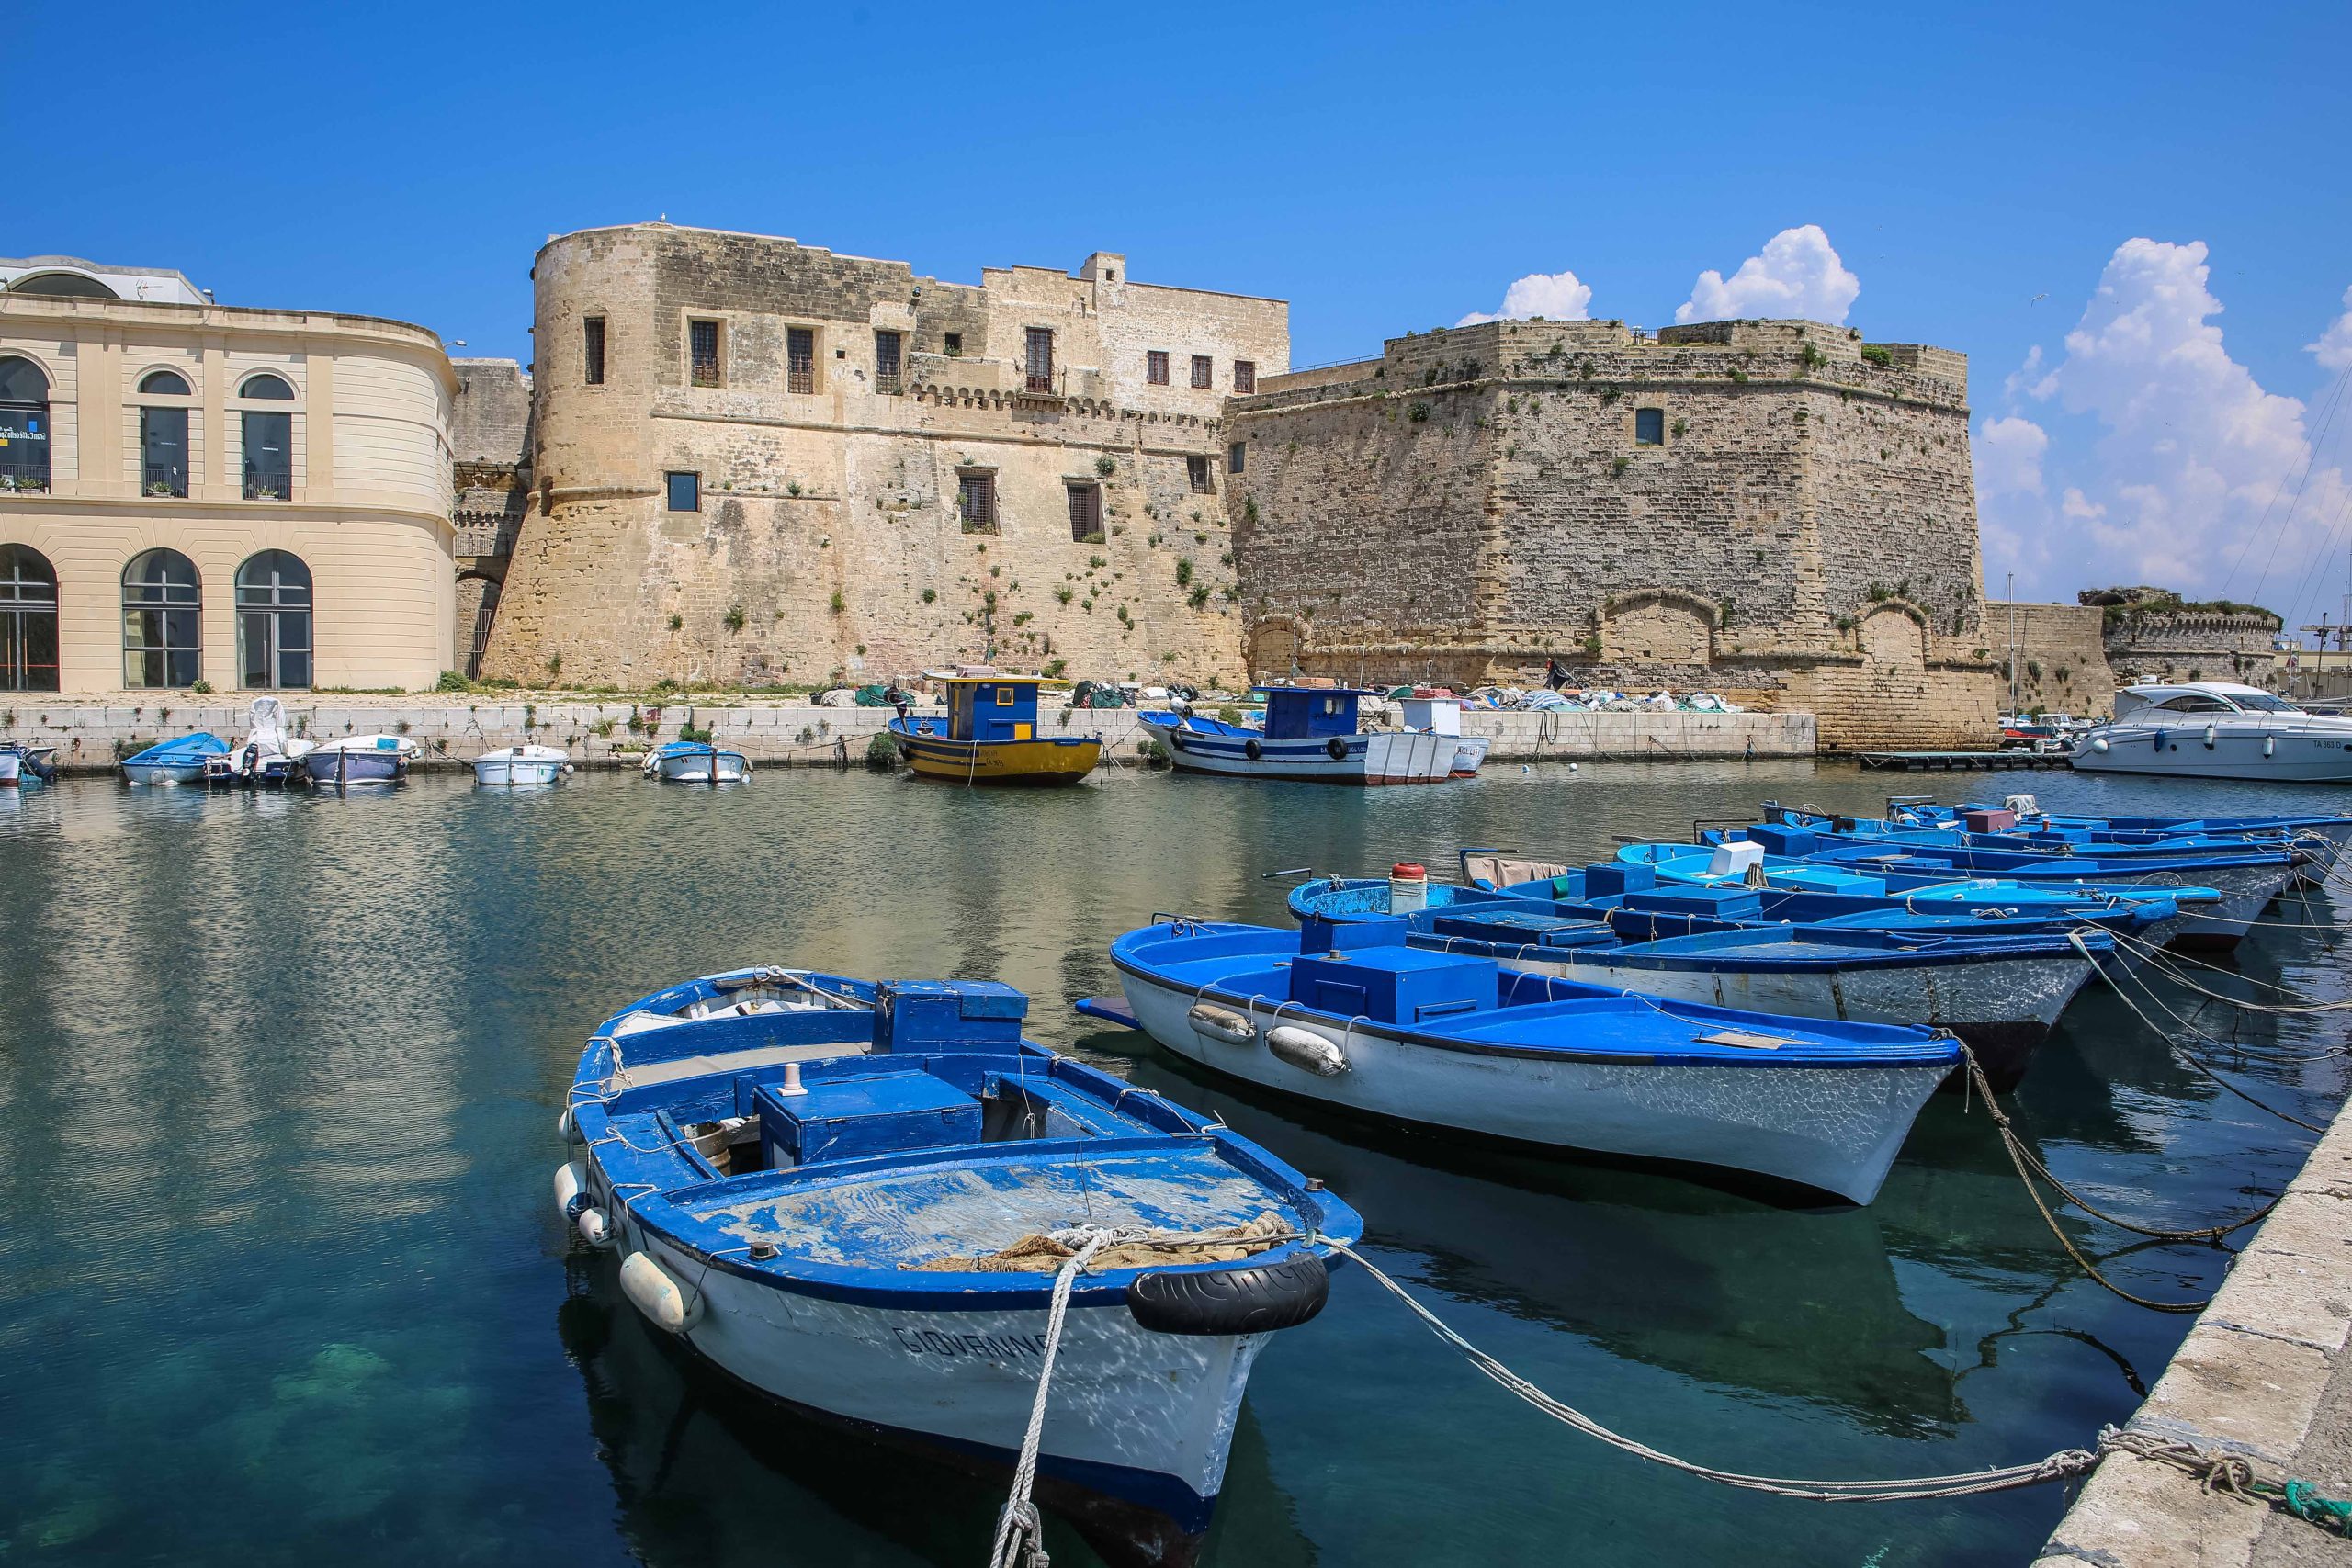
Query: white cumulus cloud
[(1555, 295), (2335, 345), (2008, 456), (2179, 468), (1797, 274)]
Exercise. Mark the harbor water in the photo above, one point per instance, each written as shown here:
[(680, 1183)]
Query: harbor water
[(281, 1280)]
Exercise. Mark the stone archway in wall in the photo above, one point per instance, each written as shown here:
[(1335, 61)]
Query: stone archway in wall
[(1895, 635), (1659, 626), (1277, 646)]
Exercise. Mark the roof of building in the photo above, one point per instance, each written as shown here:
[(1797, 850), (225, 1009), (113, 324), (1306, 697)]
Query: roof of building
[(154, 284)]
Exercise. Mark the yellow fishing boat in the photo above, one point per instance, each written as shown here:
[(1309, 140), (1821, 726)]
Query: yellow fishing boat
[(989, 736)]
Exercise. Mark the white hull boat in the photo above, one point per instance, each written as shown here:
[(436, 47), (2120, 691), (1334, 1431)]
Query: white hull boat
[(519, 765), (2217, 729)]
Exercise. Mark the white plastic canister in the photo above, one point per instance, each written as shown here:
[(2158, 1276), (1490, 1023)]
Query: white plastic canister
[(1409, 888)]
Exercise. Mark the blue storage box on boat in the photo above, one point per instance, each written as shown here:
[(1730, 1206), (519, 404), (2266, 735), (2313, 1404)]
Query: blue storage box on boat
[(1779, 841), (878, 1114), (1316, 934), (1394, 985), (1708, 903), (1829, 879), (1617, 878), (947, 1015), (1513, 930)]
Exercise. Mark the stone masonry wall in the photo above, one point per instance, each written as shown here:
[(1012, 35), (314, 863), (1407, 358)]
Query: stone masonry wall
[(2191, 645), (1803, 530), (829, 542), (2062, 664)]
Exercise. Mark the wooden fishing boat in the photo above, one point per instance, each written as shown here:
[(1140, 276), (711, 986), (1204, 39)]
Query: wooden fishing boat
[(854, 1198), (989, 734), (1354, 1016)]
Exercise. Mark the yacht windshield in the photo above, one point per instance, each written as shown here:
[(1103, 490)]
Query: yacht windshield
[(2265, 703)]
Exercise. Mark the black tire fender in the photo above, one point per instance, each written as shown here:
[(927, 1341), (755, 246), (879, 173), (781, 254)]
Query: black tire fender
[(1337, 748), (1244, 1299), (1253, 751)]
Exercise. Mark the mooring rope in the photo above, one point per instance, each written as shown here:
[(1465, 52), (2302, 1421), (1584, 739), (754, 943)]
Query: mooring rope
[(1020, 1533)]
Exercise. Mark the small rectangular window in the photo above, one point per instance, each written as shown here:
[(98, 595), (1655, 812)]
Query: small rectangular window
[(1649, 427), (1086, 513), (976, 501), (591, 333), (685, 492), (1235, 456), (1155, 368), (1039, 358), (1197, 470), (799, 359), (1203, 374), (886, 363), (954, 345), (1004, 697), (1245, 376), (702, 343)]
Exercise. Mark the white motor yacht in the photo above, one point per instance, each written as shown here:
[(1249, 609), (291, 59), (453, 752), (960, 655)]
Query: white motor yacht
[(2216, 729)]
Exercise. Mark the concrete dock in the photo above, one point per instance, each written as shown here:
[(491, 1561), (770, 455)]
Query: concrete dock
[(92, 733), (2263, 1377)]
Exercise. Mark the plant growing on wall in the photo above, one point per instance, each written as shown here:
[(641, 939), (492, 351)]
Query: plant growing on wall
[(1106, 467), (838, 605), (1419, 414), (930, 596), (676, 621), (734, 618), (1184, 572)]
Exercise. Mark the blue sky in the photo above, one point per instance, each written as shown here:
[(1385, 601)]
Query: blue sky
[(1382, 167)]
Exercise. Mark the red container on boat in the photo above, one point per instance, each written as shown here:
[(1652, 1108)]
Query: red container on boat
[(1990, 821), (1409, 888)]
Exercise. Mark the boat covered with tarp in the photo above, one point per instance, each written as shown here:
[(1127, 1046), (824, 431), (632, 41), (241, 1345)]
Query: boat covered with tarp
[(858, 1198), (178, 760)]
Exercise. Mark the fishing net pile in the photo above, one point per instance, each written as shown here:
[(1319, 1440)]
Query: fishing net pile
[(1040, 1253)]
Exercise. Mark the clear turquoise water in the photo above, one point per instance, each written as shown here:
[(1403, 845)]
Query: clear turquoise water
[(281, 1280)]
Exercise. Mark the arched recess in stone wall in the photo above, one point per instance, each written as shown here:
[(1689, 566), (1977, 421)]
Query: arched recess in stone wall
[(1278, 643), (476, 609), (1895, 633), (1659, 626)]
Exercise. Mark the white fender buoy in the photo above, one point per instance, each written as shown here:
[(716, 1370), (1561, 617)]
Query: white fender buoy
[(593, 1230), (2210, 734), (568, 1126), (664, 1301), (1221, 1023), (571, 1188), (1304, 1049), (2100, 745), (2269, 744), (1572, 767)]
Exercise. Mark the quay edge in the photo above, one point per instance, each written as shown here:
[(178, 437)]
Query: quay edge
[(2263, 1375), (88, 734)]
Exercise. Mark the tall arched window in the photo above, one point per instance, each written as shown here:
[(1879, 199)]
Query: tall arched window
[(162, 608), (23, 425), (274, 622), (268, 439), (162, 434), (27, 620)]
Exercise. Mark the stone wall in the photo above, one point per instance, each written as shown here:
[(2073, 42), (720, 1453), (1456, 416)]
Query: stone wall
[(828, 543), (2061, 658), (1762, 509), (490, 440), (2150, 643)]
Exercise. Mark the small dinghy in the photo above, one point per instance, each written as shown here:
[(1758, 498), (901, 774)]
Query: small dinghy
[(175, 761), (522, 765), (1354, 1016), (267, 756), (696, 761), (359, 760), (855, 1199), (23, 765)]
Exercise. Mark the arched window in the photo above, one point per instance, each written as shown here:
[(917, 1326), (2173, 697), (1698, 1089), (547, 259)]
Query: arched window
[(27, 620), (163, 435), (62, 286), (23, 425), (268, 441), (274, 622), (161, 607)]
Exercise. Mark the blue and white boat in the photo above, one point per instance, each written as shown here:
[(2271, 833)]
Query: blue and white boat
[(2322, 836), (694, 761), (23, 764), (266, 757), (1312, 734), (359, 760), (520, 765), (854, 1198), (1357, 1017), (174, 762), (1612, 925)]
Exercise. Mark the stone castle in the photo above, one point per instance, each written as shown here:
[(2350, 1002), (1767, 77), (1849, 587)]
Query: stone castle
[(746, 461)]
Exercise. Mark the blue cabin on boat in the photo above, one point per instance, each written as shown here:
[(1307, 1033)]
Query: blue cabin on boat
[(997, 707), (1310, 713)]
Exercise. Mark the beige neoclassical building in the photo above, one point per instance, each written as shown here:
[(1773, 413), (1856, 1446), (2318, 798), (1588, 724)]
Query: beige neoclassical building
[(189, 492)]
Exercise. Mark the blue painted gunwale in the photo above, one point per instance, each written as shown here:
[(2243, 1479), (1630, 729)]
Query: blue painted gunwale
[(2026, 846), (2213, 824), (1569, 1007), (1885, 854), (1930, 878), (1220, 738), (649, 1184), (695, 748)]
